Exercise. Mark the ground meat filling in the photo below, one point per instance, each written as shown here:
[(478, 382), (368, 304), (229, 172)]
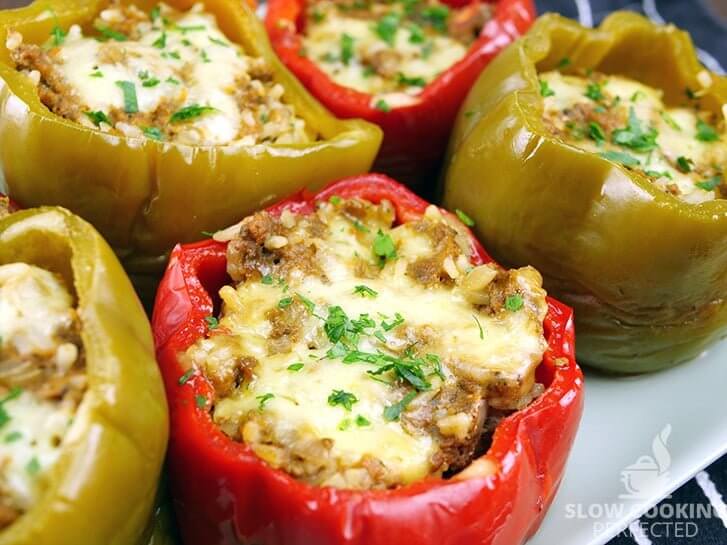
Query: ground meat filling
[(355, 353), (164, 75), (680, 148), (42, 381), (390, 49)]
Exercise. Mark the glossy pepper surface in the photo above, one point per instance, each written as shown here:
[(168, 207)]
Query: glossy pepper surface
[(645, 272), (225, 494), (101, 490), (415, 136), (144, 195)]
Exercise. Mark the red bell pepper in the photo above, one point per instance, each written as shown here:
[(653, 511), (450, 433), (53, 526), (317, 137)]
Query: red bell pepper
[(224, 494), (415, 136)]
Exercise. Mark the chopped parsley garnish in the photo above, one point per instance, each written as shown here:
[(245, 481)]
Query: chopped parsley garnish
[(207, 233), (620, 157), (464, 218), (153, 133), (344, 424), (362, 421), (131, 106), (706, 132), (364, 291), (411, 82), (205, 57), (342, 398), (263, 399), (190, 112), (669, 120), (684, 164), (172, 80), (14, 392), (595, 131), (393, 412), (594, 91), (96, 74), (110, 34), (710, 184), (545, 90), (33, 466), (200, 401), (514, 302), (151, 82), (387, 27), (186, 376), (98, 117), (295, 366), (285, 302), (690, 94), (416, 34), (217, 41), (634, 135), (638, 95), (479, 326), (310, 305), (267, 279), (155, 12), (189, 28), (659, 174), (383, 248), (388, 326), (382, 105), (161, 41), (437, 17), (347, 49), (12, 437), (58, 36), (565, 61), (212, 322), (359, 226), (171, 55), (335, 200)]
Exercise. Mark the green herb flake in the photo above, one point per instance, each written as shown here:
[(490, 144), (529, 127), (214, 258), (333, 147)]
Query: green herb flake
[(171, 55), (387, 27), (659, 174), (411, 82), (110, 34), (638, 95), (207, 233), (205, 57), (285, 302), (479, 326), (189, 28), (161, 41), (382, 105), (669, 120), (155, 12), (416, 34), (12, 437), (153, 133), (388, 326), (96, 74), (342, 398), (437, 16), (634, 135), (217, 41), (347, 48), (58, 36), (595, 131), (393, 412), (200, 401), (151, 82), (344, 424), (309, 305), (33, 466), (545, 90), (263, 399), (383, 248), (267, 279), (464, 218), (185, 377), (362, 421), (690, 94), (212, 322), (364, 291), (684, 164), (335, 200), (710, 184), (295, 367), (514, 302), (359, 226), (620, 157), (594, 91), (98, 117), (190, 112), (131, 106), (564, 62), (172, 81), (706, 132)]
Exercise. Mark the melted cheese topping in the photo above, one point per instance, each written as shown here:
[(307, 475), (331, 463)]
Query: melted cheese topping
[(681, 149), (285, 409), (388, 49), (36, 324), (169, 76)]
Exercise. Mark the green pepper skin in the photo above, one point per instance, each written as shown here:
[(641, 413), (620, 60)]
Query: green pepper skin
[(145, 196), (102, 488), (645, 272)]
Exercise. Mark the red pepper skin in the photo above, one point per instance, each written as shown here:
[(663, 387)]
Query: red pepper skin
[(415, 137), (225, 495)]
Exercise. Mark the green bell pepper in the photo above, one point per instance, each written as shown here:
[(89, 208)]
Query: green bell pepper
[(101, 490), (645, 271)]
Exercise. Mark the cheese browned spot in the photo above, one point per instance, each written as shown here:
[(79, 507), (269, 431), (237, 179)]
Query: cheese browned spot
[(165, 75), (358, 354), (389, 49), (680, 148), (42, 381)]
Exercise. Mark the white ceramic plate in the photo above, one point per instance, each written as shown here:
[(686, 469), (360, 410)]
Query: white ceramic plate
[(640, 439)]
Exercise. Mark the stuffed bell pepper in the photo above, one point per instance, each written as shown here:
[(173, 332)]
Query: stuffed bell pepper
[(83, 417), (405, 65), (157, 121), (352, 368), (609, 159)]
